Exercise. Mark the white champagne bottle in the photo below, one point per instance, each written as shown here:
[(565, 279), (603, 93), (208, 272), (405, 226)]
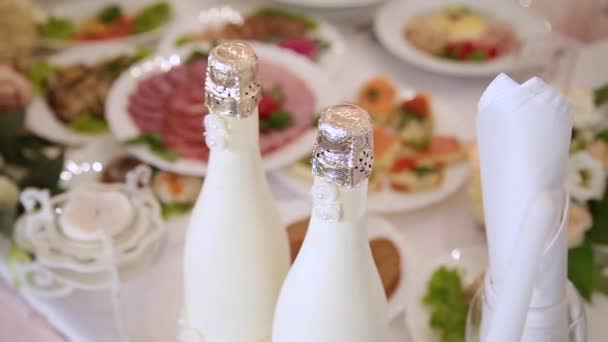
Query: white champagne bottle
[(333, 292), (236, 253)]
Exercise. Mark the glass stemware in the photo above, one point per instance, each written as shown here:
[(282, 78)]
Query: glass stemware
[(577, 321), (570, 25)]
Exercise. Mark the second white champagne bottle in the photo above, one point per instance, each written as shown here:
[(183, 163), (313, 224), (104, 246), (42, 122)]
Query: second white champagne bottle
[(333, 293), (236, 253)]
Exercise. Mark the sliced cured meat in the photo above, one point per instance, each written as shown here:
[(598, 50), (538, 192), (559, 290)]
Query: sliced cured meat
[(188, 100), (172, 104), (137, 101), (299, 98), (148, 124), (178, 75), (184, 148), (190, 134), (146, 111), (197, 71)]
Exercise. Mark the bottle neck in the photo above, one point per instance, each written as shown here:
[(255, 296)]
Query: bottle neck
[(352, 203), (242, 134)]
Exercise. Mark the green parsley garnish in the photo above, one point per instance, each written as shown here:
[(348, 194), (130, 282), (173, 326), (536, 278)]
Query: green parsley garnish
[(196, 55), (373, 94), (601, 95), (310, 23), (405, 116), (603, 135), (151, 17), (89, 124), (156, 144), (183, 39), (278, 121), (447, 301), (57, 28), (38, 73), (422, 171), (173, 209), (109, 14), (478, 57)]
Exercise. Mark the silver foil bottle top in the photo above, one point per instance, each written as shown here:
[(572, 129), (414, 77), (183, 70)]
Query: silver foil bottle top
[(344, 150), (231, 86)]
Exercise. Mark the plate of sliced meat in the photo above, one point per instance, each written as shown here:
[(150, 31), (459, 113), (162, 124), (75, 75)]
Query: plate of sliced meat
[(294, 30), (157, 107)]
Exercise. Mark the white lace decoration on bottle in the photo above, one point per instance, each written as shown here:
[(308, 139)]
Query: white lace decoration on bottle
[(216, 133), (325, 200)]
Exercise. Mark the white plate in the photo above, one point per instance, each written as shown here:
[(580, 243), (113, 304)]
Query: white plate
[(471, 262), (348, 13), (40, 118), (377, 227), (392, 18), (331, 3), (388, 201), (329, 59), (123, 128), (78, 11)]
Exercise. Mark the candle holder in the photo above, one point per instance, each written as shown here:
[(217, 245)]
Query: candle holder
[(577, 322), (64, 261)]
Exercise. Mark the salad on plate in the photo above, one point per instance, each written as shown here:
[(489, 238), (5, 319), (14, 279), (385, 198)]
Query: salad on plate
[(461, 33), (110, 22)]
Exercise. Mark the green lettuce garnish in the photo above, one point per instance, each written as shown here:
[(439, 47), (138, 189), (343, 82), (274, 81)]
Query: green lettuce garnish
[(601, 95), (310, 23), (109, 14), (57, 28), (174, 209), (278, 121), (151, 17), (38, 73), (89, 124), (183, 39), (447, 301), (156, 144)]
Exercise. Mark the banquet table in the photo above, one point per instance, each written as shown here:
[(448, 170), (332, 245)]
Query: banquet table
[(151, 300)]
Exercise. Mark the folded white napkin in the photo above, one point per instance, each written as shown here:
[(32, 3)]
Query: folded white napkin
[(524, 135)]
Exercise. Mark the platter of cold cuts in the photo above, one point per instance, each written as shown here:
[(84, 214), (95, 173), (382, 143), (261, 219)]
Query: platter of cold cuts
[(157, 107)]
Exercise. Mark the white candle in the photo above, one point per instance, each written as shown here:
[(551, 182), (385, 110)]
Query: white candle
[(87, 212)]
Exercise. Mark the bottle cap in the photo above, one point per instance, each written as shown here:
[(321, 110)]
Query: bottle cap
[(344, 150), (232, 87)]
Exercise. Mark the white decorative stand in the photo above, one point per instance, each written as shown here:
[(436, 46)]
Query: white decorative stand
[(62, 263)]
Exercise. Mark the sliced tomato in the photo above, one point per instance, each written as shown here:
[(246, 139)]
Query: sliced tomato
[(418, 105), (403, 164), (119, 28), (268, 104)]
